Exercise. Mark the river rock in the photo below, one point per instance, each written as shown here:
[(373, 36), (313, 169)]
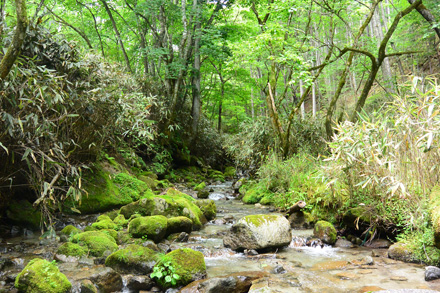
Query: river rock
[(259, 232), (87, 286), (153, 227), (208, 208), (42, 276), (179, 224), (138, 283), (237, 283), (98, 243), (301, 220), (432, 273), (187, 263), (342, 243), (107, 280), (401, 251), (325, 231), (134, 259)]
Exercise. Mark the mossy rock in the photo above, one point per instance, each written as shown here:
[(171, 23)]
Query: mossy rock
[(203, 194), (103, 217), (42, 276), (153, 227), (120, 221), (70, 230), (230, 172), (123, 237), (112, 214), (179, 224), (189, 265), (172, 204), (266, 200), (134, 259), (97, 242), (22, 213), (401, 251), (151, 182), (106, 191), (90, 228), (200, 186), (72, 249), (105, 224), (253, 194), (325, 231), (208, 208), (111, 232)]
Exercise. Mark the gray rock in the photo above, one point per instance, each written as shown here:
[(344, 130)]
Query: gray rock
[(432, 273), (259, 232), (87, 286), (342, 243), (107, 280), (138, 283), (279, 269)]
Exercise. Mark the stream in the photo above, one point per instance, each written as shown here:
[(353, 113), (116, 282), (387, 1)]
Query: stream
[(297, 268)]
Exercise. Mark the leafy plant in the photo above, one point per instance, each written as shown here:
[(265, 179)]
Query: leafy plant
[(165, 274)]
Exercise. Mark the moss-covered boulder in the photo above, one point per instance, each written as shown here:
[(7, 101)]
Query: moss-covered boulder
[(216, 175), (325, 231), (259, 232), (179, 224), (105, 224), (401, 251), (111, 232), (172, 204), (230, 172), (200, 186), (106, 191), (203, 194), (72, 249), (208, 208), (22, 213), (153, 227), (98, 243), (253, 193), (42, 276), (70, 230), (134, 259), (188, 264), (120, 221), (151, 182)]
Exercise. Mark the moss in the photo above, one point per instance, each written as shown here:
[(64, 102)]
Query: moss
[(325, 231), (352, 215), (208, 208), (24, 214), (42, 276), (90, 228), (179, 224), (258, 220), (254, 194), (106, 191), (111, 232), (266, 200), (70, 230), (151, 182), (200, 186), (188, 264), (132, 259), (103, 218), (120, 221), (172, 204), (72, 249), (123, 237), (105, 224), (153, 227), (230, 172), (97, 242)]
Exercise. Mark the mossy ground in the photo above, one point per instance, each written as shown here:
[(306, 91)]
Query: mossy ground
[(42, 276)]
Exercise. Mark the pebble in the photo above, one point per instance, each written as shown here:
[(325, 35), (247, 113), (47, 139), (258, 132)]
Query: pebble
[(399, 278)]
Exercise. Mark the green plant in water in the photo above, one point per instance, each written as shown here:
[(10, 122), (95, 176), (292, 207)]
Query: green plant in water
[(165, 274)]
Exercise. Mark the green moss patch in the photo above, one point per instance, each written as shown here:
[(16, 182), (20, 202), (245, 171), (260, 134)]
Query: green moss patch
[(208, 208), (200, 186), (97, 242), (70, 230), (325, 231), (105, 224), (134, 259), (153, 227), (230, 172), (258, 220), (72, 249), (42, 276), (179, 224)]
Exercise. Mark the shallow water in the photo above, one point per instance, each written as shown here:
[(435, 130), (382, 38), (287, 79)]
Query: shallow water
[(297, 268)]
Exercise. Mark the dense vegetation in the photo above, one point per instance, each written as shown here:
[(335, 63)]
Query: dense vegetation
[(331, 102)]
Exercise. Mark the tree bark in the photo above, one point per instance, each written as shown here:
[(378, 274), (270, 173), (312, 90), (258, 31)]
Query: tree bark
[(196, 103), (17, 41), (427, 15), (118, 35), (296, 207)]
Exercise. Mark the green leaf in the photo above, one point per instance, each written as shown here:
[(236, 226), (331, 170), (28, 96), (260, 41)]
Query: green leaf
[(5, 148)]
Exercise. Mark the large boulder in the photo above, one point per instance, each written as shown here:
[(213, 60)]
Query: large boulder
[(187, 264), (72, 249), (401, 251), (153, 227), (325, 231), (172, 204), (97, 242), (107, 280), (179, 224), (134, 259), (259, 232), (42, 276), (107, 189)]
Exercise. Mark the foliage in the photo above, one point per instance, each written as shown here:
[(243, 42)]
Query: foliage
[(389, 159), (165, 274)]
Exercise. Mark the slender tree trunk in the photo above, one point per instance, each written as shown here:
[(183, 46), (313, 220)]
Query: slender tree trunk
[(314, 100), (2, 20), (301, 92), (252, 103), (196, 103), (118, 35), (427, 15), (17, 41)]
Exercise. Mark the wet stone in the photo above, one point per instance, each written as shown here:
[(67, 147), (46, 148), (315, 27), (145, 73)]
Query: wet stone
[(279, 269), (399, 278), (342, 243), (183, 237), (137, 283), (432, 273), (346, 276)]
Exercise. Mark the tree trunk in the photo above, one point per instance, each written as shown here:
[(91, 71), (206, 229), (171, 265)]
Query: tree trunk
[(314, 100), (196, 103), (17, 41), (118, 35), (296, 207), (427, 15), (301, 92)]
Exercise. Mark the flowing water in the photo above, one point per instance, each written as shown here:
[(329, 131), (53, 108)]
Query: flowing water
[(297, 268)]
